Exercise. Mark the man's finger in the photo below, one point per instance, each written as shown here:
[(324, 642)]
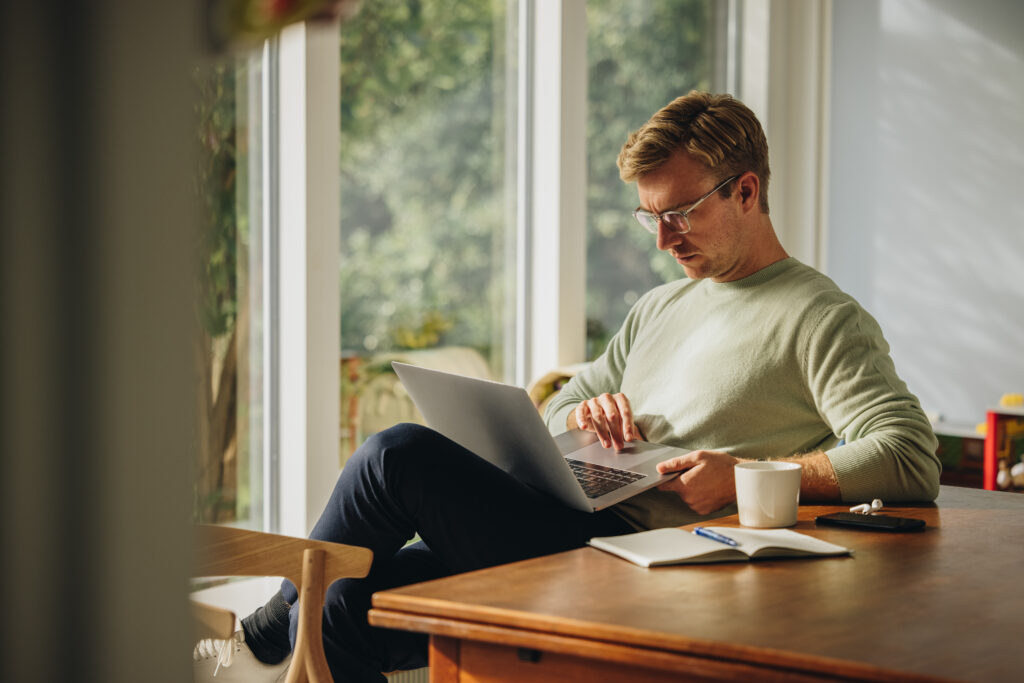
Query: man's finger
[(599, 422), (673, 484), (680, 462), (626, 415), (612, 420), (582, 416)]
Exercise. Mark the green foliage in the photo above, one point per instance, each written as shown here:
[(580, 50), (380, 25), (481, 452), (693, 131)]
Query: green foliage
[(422, 195), (216, 186), (423, 224), (426, 335), (221, 492)]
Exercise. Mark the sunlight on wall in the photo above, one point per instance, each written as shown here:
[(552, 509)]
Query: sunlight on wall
[(926, 219)]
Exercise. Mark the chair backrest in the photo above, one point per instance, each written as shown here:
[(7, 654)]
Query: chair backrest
[(311, 565)]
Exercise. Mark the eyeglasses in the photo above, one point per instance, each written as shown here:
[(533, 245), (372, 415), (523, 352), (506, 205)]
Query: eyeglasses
[(677, 221)]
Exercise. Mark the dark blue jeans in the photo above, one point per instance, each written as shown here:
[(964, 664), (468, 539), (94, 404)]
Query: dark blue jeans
[(469, 515)]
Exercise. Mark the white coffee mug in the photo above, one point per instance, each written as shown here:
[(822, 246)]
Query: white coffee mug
[(767, 493)]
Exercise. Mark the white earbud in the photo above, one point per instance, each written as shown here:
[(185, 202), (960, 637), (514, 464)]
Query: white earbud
[(867, 508)]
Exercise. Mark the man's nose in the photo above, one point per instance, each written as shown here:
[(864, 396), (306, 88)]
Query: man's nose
[(667, 237)]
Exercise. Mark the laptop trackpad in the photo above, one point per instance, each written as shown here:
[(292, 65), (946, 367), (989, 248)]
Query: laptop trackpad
[(639, 456)]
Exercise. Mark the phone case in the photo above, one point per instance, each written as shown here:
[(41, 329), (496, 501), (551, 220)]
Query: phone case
[(873, 522)]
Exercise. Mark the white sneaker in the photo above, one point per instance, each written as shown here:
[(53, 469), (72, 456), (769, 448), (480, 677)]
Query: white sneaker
[(228, 661)]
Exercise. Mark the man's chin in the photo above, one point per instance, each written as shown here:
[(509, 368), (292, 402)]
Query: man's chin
[(691, 267)]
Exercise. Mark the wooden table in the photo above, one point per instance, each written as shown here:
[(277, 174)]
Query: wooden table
[(943, 604)]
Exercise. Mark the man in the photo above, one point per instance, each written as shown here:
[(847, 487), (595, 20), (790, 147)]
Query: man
[(753, 356)]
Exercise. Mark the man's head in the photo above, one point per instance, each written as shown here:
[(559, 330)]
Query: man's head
[(701, 170), (716, 130)]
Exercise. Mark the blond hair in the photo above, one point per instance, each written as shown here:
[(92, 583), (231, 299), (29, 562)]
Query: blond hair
[(717, 130)]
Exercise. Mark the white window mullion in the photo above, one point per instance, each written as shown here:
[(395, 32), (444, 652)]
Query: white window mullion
[(523, 336), (784, 78), (797, 116), (267, 287), (308, 296), (556, 315)]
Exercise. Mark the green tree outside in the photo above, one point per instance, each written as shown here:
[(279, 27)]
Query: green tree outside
[(423, 191), (422, 227)]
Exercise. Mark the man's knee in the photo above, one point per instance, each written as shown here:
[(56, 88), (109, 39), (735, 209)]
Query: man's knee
[(402, 444), (404, 438)]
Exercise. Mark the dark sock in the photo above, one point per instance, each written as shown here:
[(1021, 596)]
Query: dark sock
[(266, 631)]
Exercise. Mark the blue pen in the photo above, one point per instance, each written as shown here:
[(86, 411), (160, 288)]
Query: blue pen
[(714, 536)]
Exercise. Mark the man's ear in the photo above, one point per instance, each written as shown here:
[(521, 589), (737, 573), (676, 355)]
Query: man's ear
[(749, 187)]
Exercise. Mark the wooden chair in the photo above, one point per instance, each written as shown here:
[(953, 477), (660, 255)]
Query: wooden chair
[(311, 565)]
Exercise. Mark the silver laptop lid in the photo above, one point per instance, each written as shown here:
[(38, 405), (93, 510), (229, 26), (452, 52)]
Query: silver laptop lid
[(499, 423)]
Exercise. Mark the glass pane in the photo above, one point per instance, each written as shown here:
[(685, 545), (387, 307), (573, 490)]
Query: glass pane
[(641, 56), (425, 158), (228, 484)]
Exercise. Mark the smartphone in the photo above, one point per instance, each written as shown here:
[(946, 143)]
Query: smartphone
[(875, 522)]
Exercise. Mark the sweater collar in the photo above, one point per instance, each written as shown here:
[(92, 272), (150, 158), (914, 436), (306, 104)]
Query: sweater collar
[(769, 272)]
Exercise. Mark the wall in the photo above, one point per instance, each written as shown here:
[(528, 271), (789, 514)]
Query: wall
[(926, 213), (97, 269)]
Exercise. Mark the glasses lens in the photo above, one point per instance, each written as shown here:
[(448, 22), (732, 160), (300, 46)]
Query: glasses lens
[(677, 222), (649, 221)]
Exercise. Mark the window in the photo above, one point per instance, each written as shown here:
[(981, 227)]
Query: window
[(426, 226), (229, 126), (641, 56), (430, 146)]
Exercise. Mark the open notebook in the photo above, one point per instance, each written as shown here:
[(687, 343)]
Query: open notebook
[(678, 546)]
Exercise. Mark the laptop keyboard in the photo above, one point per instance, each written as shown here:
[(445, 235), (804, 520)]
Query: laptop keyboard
[(598, 480)]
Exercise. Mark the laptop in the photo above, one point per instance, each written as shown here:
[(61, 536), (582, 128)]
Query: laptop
[(500, 424)]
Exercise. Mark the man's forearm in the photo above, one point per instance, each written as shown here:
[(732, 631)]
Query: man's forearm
[(818, 483)]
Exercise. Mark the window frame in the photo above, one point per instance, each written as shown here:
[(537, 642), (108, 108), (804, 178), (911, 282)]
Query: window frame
[(305, 391), (552, 227), (765, 43)]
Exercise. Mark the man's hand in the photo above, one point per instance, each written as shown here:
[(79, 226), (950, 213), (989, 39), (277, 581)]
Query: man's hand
[(610, 417), (707, 482)]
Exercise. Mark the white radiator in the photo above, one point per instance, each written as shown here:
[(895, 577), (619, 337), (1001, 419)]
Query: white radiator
[(412, 676)]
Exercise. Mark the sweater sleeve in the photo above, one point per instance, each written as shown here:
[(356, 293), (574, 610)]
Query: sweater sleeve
[(601, 376), (889, 449)]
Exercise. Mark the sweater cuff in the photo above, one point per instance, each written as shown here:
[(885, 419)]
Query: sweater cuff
[(857, 480), (557, 419)]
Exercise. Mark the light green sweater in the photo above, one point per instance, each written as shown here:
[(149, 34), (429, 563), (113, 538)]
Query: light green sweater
[(778, 363)]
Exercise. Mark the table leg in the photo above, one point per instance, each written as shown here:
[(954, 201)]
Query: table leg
[(444, 659)]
